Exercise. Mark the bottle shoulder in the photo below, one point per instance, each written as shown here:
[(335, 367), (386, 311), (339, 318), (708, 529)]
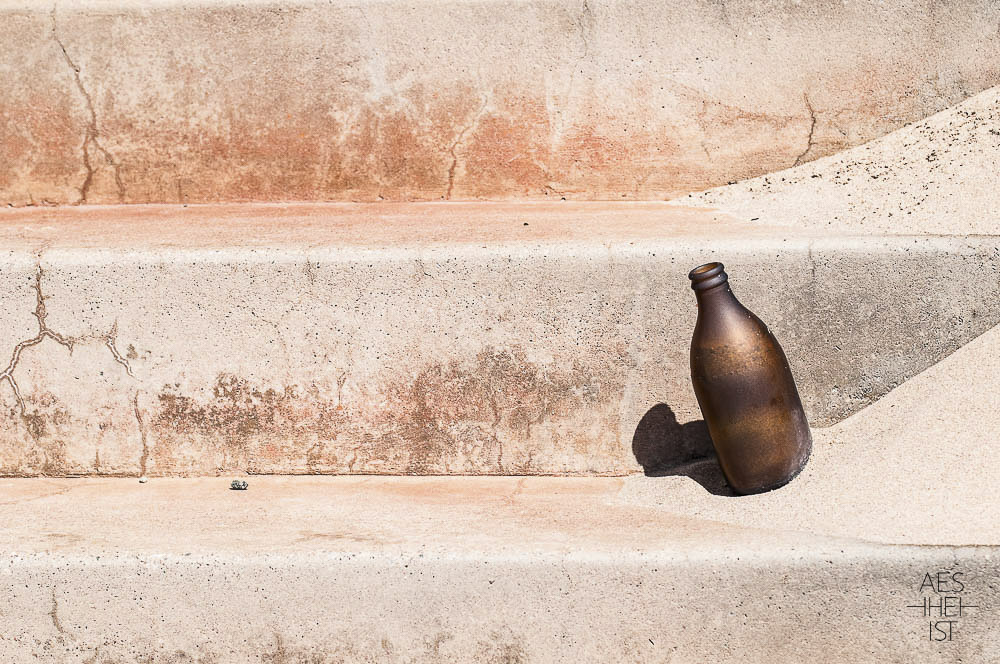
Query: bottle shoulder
[(733, 323), (737, 339)]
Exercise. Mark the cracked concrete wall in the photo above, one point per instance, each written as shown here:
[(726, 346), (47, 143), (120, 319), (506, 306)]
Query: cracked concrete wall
[(109, 102), (497, 356)]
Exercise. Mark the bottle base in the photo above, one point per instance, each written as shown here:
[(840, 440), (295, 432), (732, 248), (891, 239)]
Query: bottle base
[(769, 487)]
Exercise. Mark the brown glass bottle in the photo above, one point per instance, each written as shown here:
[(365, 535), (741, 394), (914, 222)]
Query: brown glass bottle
[(745, 389)]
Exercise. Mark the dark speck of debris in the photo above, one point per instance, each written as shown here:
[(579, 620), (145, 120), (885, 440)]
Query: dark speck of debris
[(238, 485), (525, 223)]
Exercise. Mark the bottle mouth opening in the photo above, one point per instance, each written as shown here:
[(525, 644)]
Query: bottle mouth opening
[(708, 276)]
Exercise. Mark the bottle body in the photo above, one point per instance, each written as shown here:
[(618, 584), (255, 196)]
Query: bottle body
[(745, 390)]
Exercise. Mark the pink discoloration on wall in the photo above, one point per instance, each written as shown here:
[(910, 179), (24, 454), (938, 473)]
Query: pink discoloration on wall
[(458, 100), (498, 414)]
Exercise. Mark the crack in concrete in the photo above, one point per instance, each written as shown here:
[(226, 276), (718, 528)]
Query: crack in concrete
[(704, 148), (341, 381), (109, 341), (92, 133), (812, 130), (45, 332), (310, 456), (355, 453), (548, 188), (497, 418), (311, 271), (812, 263), (456, 143), (54, 613), (144, 459)]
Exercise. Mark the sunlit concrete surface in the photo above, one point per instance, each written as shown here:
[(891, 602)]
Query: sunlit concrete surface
[(920, 466), (165, 315), (433, 338), (934, 176), (143, 101), (478, 569)]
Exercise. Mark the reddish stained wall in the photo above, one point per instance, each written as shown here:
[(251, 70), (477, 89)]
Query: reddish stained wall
[(496, 414), (615, 100)]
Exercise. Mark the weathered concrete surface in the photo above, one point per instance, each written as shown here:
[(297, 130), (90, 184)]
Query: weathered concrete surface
[(498, 570), (920, 466), (152, 101), (432, 338), (935, 176)]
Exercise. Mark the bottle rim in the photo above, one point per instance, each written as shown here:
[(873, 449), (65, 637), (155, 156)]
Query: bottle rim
[(708, 276)]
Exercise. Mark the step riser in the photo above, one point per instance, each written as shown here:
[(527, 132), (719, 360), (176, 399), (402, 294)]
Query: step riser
[(616, 608), (460, 359), (462, 99)]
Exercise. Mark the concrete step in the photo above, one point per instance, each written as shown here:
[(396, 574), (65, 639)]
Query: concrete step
[(884, 549), (325, 570), (141, 101), (916, 467), (546, 338), (934, 176)]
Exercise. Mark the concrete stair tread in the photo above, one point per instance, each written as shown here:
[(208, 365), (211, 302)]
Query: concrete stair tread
[(305, 226), (919, 466), (323, 570), (478, 517), (875, 477), (433, 338)]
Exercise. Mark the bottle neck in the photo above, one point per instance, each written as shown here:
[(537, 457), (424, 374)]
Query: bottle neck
[(715, 294)]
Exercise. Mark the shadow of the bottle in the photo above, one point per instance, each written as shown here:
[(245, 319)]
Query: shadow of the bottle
[(664, 447)]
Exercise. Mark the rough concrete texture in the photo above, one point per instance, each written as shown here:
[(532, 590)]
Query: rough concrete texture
[(920, 466), (935, 176), (150, 101), (433, 338), (495, 570)]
